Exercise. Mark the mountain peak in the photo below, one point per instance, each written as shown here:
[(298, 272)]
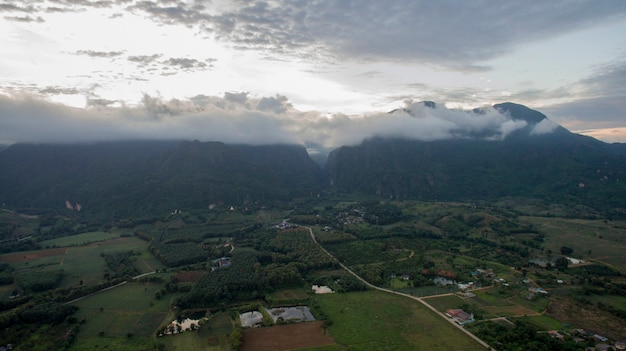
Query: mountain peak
[(520, 112)]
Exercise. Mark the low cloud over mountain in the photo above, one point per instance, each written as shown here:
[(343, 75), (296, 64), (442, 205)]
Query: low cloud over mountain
[(241, 118)]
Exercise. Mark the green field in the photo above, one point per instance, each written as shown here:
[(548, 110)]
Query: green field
[(211, 336), (130, 308), (374, 320), (79, 239), (544, 322), (287, 296), (444, 303), (84, 263), (25, 224), (597, 240)]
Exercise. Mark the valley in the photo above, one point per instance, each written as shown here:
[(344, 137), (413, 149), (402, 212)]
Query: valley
[(418, 260), (484, 240)]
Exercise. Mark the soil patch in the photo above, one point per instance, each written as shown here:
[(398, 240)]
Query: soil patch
[(29, 256), (189, 277), (285, 337), (587, 317)]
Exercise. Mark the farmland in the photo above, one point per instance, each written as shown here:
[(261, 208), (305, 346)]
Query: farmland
[(375, 320), (220, 264)]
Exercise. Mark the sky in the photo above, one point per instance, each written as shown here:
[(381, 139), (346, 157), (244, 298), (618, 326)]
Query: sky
[(308, 72)]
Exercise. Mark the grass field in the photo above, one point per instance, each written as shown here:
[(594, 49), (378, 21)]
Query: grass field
[(283, 296), (79, 239), (212, 336), (444, 303), (25, 224), (374, 320), (120, 343), (83, 263), (399, 284), (544, 322), (591, 239), (130, 308)]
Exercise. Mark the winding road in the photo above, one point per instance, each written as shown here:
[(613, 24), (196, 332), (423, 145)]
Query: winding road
[(420, 299)]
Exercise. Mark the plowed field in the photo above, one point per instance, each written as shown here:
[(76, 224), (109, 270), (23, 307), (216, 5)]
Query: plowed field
[(285, 337)]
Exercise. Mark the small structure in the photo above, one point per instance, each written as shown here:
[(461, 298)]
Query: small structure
[(251, 319), (556, 335), (460, 316), (599, 338), (322, 289), (539, 291)]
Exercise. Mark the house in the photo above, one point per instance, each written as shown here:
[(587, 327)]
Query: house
[(484, 272), (460, 316), (556, 335), (538, 291), (599, 338)]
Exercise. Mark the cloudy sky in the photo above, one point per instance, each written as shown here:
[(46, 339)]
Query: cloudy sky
[(316, 71)]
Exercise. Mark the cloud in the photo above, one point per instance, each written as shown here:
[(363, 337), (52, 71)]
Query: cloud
[(546, 126), (457, 34), (25, 19), (170, 12), (236, 118), (598, 100), (609, 135), (7, 7), (460, 35), (144, 59), (187, 64), (278, 104), (103, 54), (55, 90)]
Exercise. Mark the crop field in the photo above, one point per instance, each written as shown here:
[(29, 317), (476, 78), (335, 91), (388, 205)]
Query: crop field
[(603, 241), (544, 322), (285, 337), (130, 308), (286, 296), (189, 276), (119, 343), (18, 259), (374, 320), (212, 336), (127, 316), (82, 263), (79, 239), (444, 303), (26, 225)]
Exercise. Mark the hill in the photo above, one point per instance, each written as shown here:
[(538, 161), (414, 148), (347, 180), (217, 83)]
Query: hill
[(118, 179)]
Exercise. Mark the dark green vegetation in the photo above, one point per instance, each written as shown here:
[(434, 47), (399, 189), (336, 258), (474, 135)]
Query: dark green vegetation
[(249, 259), (141, 180), (392, 323), (137, 234)]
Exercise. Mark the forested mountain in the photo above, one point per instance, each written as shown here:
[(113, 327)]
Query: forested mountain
[(557, 165), (139, 178), (118, 179)]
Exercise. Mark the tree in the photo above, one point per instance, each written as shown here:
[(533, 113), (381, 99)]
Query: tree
[(566, 250), (561, 263)]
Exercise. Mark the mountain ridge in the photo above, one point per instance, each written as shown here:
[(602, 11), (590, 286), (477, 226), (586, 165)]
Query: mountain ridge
[(128, 178)]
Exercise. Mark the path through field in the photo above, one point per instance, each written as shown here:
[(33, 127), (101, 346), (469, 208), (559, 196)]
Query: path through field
[(399, 293)]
